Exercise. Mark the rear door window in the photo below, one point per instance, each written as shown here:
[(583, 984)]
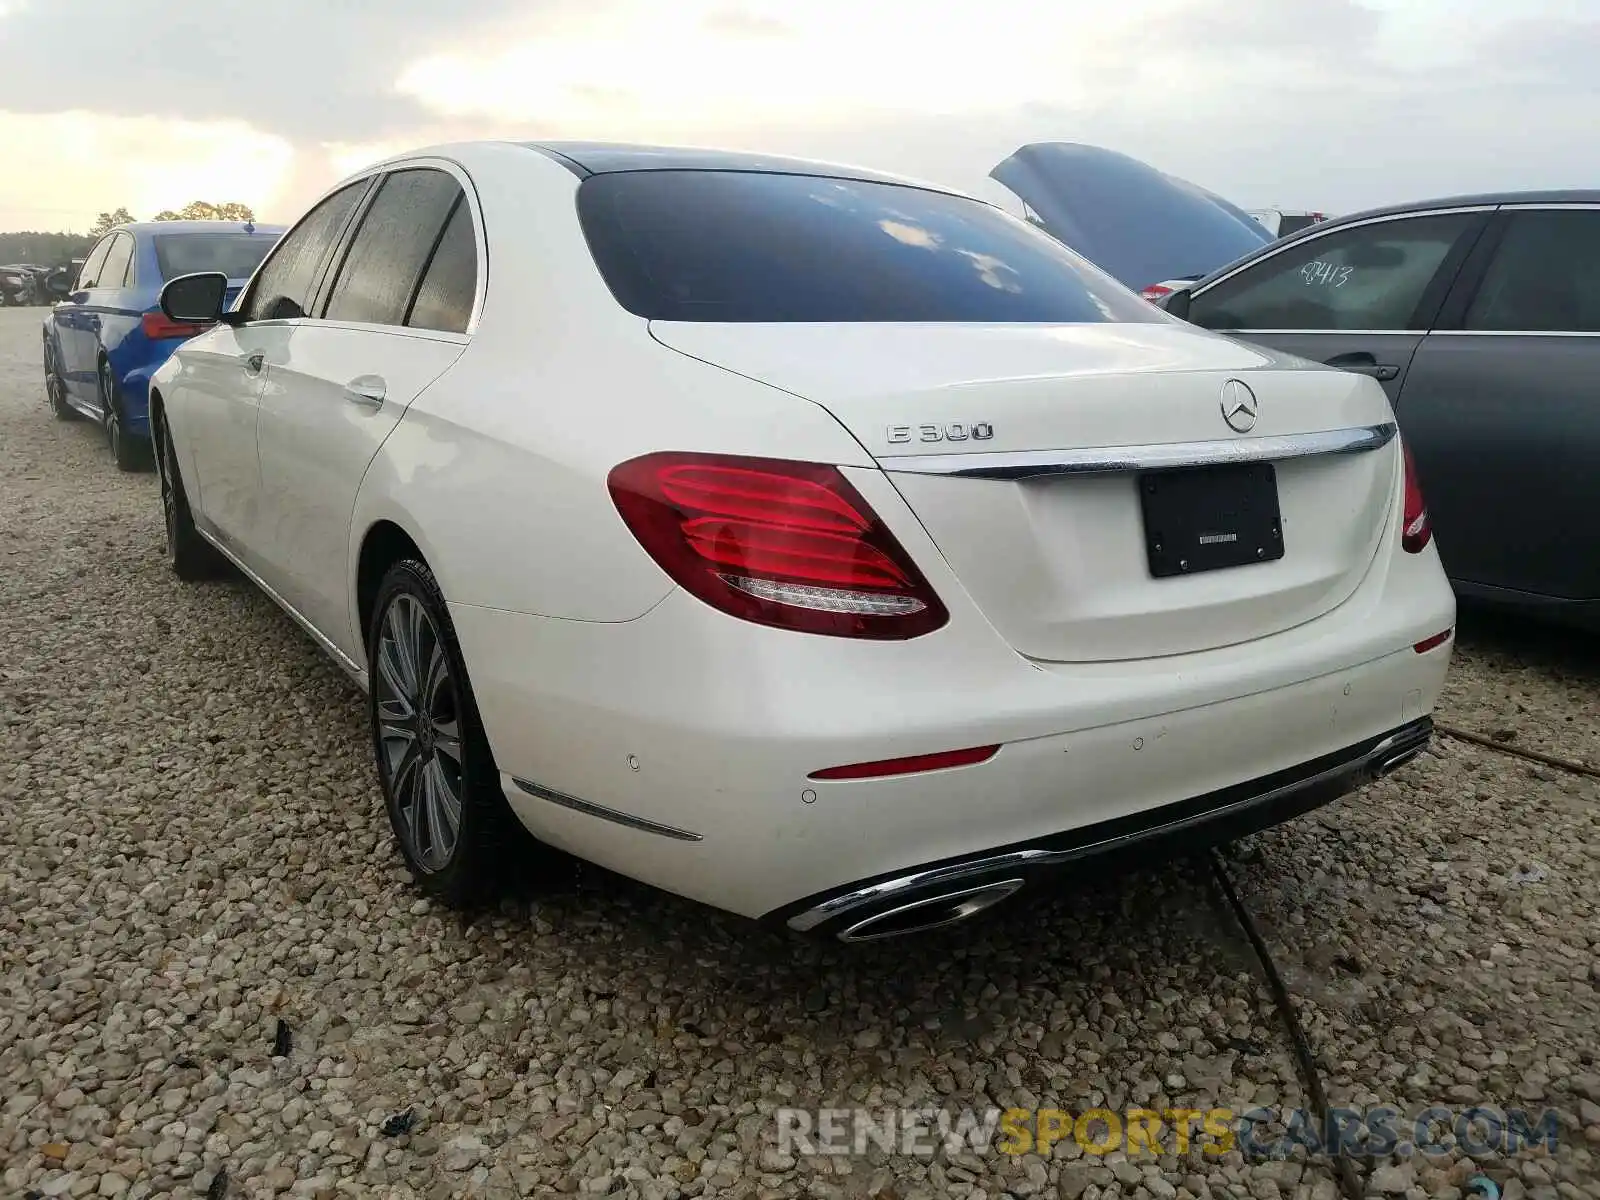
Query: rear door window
[(1545, 277), (1370, 277), (115, 267), (742, 246), (92, 265), (450, 283), (389, 251), (283, 288), (236, 255)]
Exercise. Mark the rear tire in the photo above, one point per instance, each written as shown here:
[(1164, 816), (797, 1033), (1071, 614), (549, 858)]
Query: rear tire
[(189, 555), (55, 388), (132, 453), (440, 785)]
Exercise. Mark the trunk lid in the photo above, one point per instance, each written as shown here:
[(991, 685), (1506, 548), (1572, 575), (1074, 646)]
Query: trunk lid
[(1059, 563), (1128, 218)]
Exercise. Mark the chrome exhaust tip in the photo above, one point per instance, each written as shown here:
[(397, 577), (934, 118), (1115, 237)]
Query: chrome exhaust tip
[(930, 912)]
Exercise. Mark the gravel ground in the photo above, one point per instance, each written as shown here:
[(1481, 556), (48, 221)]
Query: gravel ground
[(215, 979)]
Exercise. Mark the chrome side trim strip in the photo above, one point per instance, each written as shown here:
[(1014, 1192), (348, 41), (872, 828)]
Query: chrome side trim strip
[(1520, 333), (591, 809), (1029, 464), (888, 889), (1325, 332), (343, 661)]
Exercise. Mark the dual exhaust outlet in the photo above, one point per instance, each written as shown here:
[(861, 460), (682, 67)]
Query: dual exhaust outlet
[(939, 898)]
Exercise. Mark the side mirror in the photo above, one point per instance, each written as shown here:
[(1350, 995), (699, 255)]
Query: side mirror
[(195, 299), (59, 284), (1177, 303)]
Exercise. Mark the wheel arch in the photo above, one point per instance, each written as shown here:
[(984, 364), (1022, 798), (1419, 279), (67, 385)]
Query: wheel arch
[(384, 543)]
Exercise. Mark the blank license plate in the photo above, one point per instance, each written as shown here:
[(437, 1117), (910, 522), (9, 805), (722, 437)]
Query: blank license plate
[(1207, 518)]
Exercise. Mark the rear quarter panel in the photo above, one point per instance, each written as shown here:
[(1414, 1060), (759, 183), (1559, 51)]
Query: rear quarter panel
[(498, 471)]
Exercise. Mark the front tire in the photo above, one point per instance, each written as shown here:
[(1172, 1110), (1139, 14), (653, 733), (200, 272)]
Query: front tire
[(439, 781), (131, 453), (189, 555)]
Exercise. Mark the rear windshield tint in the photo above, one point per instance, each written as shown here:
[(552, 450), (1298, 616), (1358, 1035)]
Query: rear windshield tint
[(236, 255), (714, 246)]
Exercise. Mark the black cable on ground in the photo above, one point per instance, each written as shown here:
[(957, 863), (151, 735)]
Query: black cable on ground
[(1349, 1182), (1538, 756)]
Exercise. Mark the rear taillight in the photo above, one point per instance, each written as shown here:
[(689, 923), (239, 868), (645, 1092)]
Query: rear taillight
[(158, 325), (788, 544), (1416, 530), (1156, 292)]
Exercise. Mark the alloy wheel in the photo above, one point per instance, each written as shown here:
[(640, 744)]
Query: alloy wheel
[(108, 406), (419, 732)]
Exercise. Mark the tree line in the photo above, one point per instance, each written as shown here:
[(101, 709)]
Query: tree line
[(55, 249)]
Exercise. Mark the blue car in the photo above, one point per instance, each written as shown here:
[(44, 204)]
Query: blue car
[(104, 340)]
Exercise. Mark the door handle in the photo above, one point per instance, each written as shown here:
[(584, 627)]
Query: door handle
[(252, 362), (1362, 363), (367, 390)]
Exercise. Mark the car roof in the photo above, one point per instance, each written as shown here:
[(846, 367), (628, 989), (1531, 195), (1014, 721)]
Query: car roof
[(1472, 200), (606, 158), (147, 227), (1477, 200)]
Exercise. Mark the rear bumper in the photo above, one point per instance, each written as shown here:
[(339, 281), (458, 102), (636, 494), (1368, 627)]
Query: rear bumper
[(679, 763), (942, 893)]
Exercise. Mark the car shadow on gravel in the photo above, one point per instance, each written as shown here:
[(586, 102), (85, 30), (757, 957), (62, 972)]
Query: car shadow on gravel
[(1149, 929), (1561, 651)]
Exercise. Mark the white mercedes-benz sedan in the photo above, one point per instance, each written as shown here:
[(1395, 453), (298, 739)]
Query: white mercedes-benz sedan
[(825, 546)]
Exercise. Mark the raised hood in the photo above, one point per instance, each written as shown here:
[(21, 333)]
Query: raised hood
[(1058, 563), (1136, 223)]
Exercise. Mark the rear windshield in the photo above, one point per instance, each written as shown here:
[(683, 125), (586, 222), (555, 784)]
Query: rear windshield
[(236, 255), (746, 246)]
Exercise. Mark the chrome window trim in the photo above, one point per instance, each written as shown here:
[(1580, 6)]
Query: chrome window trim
[(1032, 464), (1535, 205), (1542, 333), (1323, 232)]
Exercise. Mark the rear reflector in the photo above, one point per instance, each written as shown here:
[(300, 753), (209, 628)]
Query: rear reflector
[(1416, 530), (787, 544), (909, 766), (157, 325), (1437, 639)]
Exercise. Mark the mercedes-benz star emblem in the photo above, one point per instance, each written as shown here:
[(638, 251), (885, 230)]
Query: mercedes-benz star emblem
[(1239, 406)]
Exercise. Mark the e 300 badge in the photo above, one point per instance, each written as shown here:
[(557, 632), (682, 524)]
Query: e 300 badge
[(954, 432)]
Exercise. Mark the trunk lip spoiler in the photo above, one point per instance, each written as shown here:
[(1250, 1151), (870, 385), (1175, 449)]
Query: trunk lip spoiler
[(1093, 460)]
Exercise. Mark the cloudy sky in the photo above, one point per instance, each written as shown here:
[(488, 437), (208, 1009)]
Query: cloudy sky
[(1329, 104)]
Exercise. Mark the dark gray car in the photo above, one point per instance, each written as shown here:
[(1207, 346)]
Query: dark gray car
[(1481, 317)]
